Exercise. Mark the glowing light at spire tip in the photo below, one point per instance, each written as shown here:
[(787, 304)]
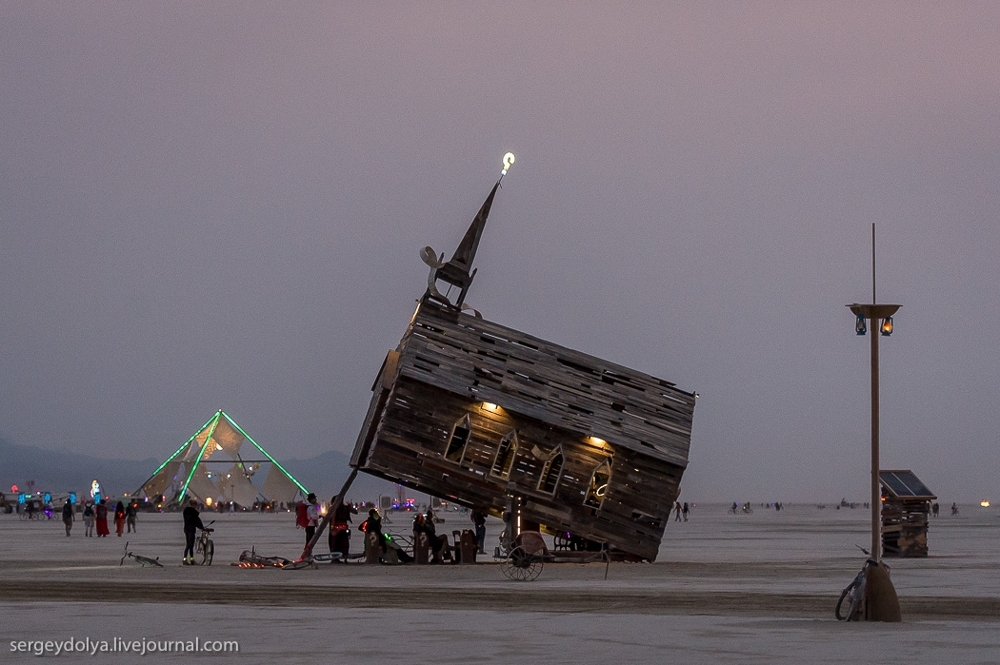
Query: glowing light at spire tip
[(508, 159)]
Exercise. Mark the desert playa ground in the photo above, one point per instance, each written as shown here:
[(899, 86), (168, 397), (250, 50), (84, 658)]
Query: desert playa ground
[(725, 589)]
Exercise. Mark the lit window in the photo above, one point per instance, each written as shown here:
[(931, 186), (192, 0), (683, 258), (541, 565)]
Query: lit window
[(598, 485)]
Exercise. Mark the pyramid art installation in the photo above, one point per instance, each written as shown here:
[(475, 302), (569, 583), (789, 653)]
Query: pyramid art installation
[(221, 463)]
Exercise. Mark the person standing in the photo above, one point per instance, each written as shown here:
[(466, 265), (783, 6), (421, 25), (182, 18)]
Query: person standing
[(312, 517), (684, 511), (102, 519), (677, 511), (479, 519), (340, 531), (192, 522), (68, 517), (130, 515), (88, 520), (119, 518)]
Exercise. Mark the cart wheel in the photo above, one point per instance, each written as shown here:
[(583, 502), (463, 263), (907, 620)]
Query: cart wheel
[(521, 566)]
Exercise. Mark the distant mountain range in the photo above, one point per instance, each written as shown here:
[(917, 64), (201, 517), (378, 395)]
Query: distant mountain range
[(59, 472)]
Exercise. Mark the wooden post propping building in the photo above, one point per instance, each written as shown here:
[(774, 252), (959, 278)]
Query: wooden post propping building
[(473, 411)]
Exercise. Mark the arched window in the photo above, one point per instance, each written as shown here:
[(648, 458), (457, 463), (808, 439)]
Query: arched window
[(598, 485), (550, 473), (458, 439), (506, 452)]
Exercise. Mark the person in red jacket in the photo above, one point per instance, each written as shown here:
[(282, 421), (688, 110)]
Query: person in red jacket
[(102, 519)]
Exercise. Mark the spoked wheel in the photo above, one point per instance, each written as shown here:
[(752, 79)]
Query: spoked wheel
[(521, 566), (208, 553), (850, 600)]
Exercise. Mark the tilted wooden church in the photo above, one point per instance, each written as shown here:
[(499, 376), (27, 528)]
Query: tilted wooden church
[(476, 412)]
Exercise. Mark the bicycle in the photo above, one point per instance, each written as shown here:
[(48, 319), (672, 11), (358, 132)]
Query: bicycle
[(144, 560), (204, 548), (854, 592)]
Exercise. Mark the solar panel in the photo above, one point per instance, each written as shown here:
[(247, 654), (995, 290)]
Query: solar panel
[(904, 484)]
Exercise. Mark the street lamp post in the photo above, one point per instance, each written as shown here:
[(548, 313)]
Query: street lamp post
[(880, 601), (880, 317)]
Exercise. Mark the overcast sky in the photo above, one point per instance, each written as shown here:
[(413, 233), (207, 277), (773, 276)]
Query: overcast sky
[(220, 205)]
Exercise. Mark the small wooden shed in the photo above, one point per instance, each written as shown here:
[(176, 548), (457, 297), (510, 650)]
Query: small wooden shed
[(477, 412), (906, 507)]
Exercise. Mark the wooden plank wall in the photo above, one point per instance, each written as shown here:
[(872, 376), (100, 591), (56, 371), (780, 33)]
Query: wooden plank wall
[(409, 439), (904, 527), (549, 383)]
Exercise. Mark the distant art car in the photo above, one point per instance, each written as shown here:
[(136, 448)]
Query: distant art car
[(478, 413)]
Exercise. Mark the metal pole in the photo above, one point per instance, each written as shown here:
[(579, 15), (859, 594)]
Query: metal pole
[(876, 551), (873, 264)]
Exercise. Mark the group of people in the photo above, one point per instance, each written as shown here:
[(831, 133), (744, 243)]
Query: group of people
[(309, 516), (680, 510), (423, 526), (95, 517), (936, 509)]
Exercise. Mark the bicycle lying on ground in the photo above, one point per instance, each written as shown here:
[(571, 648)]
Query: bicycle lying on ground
[(144, 560), (854, 592), (204, 548)]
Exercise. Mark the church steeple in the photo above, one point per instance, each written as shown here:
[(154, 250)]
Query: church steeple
[(458, 271)]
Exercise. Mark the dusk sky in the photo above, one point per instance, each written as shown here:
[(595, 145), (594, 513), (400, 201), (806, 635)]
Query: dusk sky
[(220, 205)]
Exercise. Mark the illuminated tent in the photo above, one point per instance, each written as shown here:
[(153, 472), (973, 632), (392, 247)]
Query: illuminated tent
[(222, 463)]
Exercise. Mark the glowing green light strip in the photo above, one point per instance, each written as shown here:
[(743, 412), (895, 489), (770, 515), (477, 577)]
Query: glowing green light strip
[(204, 447), (176, 453), (273, 461)]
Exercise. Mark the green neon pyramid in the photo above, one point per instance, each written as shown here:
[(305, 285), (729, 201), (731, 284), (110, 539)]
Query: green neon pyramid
[(221, 463)]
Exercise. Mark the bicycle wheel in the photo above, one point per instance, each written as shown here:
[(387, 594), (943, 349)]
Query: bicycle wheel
[(207, 552), (852, 594), (859, 594), (23, 517)]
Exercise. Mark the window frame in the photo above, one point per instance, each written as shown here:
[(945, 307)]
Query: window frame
[(606, 464), (465, 422), (513, 442)]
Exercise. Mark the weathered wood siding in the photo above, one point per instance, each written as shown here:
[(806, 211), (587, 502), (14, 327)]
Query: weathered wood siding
[(904, 527), (489, 362)]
